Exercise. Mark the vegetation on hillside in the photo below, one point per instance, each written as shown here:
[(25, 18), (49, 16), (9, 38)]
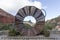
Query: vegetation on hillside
[(5, 26), (50, 24)]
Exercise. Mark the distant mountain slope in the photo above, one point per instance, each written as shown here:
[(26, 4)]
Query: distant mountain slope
[(54, 20), (53, 23), (4, 13), (5, 17)]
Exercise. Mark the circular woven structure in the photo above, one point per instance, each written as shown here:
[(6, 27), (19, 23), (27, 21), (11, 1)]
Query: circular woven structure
[(28, 28)]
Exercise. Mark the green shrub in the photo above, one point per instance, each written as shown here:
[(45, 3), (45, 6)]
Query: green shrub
[(46, 33), (13, 32), (4, 26)]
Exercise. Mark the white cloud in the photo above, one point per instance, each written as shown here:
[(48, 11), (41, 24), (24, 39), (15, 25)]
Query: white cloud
[(12, 6)]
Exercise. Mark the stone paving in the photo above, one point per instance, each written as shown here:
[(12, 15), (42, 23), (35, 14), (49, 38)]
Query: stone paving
[(53, 36), (5, 37)]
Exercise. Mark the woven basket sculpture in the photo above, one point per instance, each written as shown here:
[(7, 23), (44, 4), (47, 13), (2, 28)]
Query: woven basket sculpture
[(28, 28)]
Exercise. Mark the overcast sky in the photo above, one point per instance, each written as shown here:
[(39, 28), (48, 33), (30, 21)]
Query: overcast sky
[(12, 6), (52, 7)]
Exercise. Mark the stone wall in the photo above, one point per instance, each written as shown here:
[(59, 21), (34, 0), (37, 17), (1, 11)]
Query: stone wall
[(55, 34)]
